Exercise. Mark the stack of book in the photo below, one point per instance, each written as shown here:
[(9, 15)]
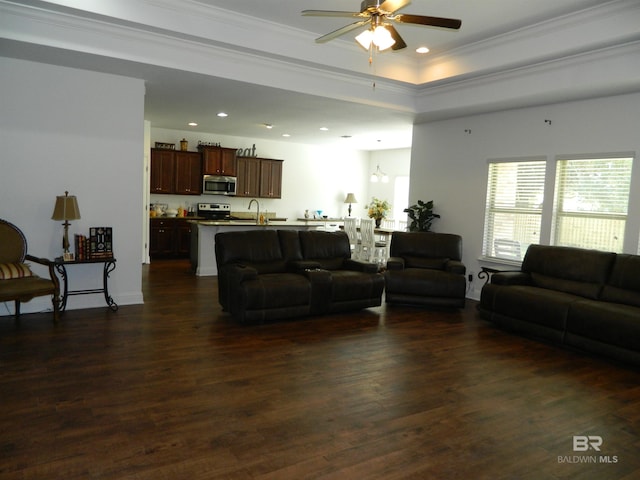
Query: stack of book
[(99, 244)]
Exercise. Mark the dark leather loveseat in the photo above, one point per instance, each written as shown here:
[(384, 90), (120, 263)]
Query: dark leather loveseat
[(426, 268), (275, 274), (585, 299)]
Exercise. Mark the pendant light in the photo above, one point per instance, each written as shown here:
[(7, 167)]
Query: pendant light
[(379, 176)]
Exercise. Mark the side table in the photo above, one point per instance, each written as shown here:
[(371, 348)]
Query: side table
[(61, 268)]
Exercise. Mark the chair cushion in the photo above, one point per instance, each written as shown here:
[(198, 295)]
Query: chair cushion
[(25, 288), (14, 270)]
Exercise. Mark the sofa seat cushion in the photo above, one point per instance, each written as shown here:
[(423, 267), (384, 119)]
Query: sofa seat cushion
[(529, 304), (349, 285), (275, 290), (425, 282), (610, 323)]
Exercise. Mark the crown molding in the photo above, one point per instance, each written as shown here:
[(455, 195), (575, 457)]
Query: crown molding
[(125, 41), (614, 22), (570, 78)]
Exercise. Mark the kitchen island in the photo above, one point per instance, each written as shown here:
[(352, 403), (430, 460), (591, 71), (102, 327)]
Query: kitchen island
[(203, 238)]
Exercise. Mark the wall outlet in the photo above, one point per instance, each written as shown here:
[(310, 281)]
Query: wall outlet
[(470, 277)]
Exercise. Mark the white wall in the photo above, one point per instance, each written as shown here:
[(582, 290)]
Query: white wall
[(66, 129), (449, 165)]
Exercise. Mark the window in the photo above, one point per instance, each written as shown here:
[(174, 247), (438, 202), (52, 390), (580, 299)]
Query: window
[(514, 207), (591, 200)]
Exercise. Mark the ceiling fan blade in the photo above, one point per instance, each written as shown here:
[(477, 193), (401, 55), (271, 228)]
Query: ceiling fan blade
[(390, 6), (396, 36), (340, 31), (428, 21), (329, 13)]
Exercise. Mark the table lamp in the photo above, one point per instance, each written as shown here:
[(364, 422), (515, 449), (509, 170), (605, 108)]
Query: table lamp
[(66, 209), (351, 198)]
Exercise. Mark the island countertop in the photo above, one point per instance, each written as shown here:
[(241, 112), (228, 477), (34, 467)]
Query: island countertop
[(252, 223)]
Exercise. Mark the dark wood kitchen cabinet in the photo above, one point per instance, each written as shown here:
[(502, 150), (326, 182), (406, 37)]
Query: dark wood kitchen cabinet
[(169, 238), (175, 172), (163, 164), (188, 173), (270, 178), (248, 177), (259, 177), (219, 161)]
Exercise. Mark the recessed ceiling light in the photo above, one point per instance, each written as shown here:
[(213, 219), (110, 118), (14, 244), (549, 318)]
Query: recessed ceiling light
[(286, 135), (268, 125), (345, 136), (222, 115), (193, 124), (324, 129), (422, 50)]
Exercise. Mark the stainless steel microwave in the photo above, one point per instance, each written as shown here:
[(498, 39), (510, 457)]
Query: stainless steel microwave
[(219, 185)]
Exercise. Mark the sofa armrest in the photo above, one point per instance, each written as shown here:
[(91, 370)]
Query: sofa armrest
[(511, 278), (395, 263), (455, 266), (359, 266), (237, 274)]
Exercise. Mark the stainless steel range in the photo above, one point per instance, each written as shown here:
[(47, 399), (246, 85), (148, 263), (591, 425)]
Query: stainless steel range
[(214, 211)]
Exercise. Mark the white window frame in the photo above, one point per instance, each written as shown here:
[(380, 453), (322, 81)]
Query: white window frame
[(500, 244), (587, 216)]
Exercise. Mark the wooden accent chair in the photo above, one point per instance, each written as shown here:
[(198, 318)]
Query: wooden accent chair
[(17, 281)]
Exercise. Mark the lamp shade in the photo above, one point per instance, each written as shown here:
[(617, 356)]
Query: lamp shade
[(351, 198), (66, 208)]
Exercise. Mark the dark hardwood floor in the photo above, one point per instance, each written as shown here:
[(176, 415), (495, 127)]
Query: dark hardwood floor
[(174, 389)]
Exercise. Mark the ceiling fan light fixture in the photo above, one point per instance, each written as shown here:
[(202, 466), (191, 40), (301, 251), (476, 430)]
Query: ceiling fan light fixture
[(382, 38), (379, 36), (365, 39)]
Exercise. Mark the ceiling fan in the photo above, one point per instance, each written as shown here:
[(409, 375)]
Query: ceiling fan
[(381, 33)]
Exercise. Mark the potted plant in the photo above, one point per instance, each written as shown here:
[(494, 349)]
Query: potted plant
[(378, 209), (421, 215)]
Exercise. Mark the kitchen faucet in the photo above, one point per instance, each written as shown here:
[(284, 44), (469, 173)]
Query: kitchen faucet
[(257, 210)]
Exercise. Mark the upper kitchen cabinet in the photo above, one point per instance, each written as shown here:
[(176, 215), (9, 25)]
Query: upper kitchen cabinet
[(270, 178), (188, 173), (248, 177), (219, 161), (175, 172), (162, 170)]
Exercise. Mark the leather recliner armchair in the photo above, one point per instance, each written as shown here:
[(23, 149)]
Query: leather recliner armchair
[(426, 268)]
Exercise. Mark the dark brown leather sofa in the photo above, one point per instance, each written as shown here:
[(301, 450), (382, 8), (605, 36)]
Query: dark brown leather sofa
[(268, 275), (426, 268), (584, 299)]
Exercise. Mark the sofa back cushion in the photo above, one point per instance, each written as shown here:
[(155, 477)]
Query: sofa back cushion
[(572, 270), (426, 249), (259, 249), (624, 283), (329, 249), (290, 245)]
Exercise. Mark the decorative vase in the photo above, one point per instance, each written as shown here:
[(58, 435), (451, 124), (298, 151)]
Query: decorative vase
[(378, 222)]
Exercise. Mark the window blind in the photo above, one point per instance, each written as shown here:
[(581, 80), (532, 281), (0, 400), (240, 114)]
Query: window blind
[(513, 212), (591, 202)]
